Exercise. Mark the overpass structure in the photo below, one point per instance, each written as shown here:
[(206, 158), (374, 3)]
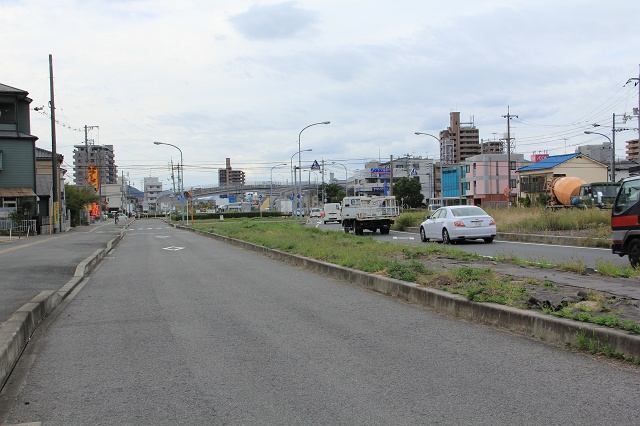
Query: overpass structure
[(269, 193)]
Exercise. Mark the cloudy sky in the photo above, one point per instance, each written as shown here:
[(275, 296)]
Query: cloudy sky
[(241, 78)]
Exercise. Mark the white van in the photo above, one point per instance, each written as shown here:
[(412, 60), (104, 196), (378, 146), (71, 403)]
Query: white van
[(332, 213)]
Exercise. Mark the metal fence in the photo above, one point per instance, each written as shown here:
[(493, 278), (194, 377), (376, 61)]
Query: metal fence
[(23, 226)]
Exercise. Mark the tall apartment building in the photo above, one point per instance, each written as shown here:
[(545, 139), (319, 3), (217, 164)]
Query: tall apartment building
[(152, 190), (228, 176), (633, 150), (100, 155), (459, 140)]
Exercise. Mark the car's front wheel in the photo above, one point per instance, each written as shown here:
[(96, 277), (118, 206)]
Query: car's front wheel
[(423, 235)]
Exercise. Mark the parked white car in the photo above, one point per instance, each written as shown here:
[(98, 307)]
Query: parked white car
[(458, 223)]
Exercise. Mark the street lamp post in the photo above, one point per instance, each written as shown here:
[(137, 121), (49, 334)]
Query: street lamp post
[(434, 178), (182, 177), (300, 157), (613, 150), (271, 182), (346, 189), (294, 177)]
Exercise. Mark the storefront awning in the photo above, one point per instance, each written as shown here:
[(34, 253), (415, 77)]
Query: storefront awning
[(16, 192)]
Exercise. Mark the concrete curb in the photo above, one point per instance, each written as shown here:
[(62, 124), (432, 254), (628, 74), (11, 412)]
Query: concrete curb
[(17, 330), (532, 324)]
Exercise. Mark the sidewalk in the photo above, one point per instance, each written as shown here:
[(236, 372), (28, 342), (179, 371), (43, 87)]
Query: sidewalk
[(38, 272)]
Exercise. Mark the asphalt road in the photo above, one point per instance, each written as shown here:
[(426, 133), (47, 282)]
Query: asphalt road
[(175, 328), (527, 251)]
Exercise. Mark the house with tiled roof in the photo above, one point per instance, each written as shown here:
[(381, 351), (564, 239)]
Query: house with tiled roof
[(533, 178)]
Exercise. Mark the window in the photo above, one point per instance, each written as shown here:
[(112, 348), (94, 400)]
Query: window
[(512, 184), (7, 113), (512, 165)]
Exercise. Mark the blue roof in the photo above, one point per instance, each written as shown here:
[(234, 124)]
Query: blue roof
[(549, 162)]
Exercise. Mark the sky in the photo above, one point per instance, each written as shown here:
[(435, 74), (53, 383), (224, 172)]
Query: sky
[(241, 79)]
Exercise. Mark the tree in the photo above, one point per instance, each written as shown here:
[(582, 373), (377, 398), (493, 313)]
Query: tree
[(334, 193), (407, 191), (77, 198)]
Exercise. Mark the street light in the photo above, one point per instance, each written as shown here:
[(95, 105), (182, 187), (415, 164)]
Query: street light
[(428, 134), (181, 174), (613, 150), (294, 176), (346, 188), (300, 157), (271, 182)]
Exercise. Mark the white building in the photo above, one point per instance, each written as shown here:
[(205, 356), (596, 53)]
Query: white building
[(377, 175), (152, 190)]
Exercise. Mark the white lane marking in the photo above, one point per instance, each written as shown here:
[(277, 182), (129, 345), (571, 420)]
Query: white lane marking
[(403, 238), (162, 236), (173, 248)]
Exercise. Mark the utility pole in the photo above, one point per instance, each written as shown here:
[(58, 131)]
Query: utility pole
[(54, 156), (637, 80), (508, 117)]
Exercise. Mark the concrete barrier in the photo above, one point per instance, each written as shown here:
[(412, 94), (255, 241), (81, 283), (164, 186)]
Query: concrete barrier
[(533, 324)]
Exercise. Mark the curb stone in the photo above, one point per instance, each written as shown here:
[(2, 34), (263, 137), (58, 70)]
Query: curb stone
[(532, 324), (17, 330)]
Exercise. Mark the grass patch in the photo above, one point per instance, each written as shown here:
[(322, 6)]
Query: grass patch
[(609, 269)]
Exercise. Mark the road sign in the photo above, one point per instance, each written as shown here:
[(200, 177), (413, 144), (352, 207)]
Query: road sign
[(413, 172), (260, 197), (315, 165), (180, 198)]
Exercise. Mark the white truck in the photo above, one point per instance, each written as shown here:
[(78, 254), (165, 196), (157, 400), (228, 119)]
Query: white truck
[(286, 207), (370, 213)]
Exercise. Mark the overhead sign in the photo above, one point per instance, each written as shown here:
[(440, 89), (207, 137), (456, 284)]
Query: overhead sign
[(315, 165)]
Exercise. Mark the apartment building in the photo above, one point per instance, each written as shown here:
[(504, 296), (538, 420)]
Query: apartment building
[(152, 190), (230, 177), (459, 140), (102, 156)]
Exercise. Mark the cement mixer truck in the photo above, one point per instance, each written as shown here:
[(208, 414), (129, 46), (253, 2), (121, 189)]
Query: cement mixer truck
[(569, 191), (563, 191)]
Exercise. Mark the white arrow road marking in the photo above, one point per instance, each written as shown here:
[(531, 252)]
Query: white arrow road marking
[(403, 238), (173, 248)]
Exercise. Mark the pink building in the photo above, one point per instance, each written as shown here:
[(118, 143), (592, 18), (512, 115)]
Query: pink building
[(487, 175)]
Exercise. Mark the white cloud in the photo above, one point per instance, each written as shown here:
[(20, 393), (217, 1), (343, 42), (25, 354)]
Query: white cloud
[(273, 21)]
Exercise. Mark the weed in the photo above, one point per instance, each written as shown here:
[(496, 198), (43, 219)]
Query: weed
[(576, 266), (608, 269)]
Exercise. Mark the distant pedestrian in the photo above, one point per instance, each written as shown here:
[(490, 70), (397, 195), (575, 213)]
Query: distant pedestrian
[(115, 215)]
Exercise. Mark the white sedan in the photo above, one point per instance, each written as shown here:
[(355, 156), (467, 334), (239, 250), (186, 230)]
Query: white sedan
[(458, 223)]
